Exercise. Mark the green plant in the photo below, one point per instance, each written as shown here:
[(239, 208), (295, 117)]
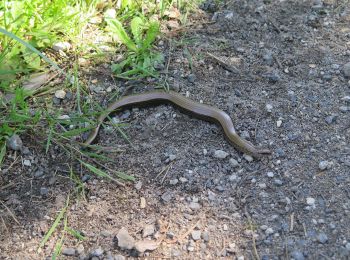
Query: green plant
[(141, 59)]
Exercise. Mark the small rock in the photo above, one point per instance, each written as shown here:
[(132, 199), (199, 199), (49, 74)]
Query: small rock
[(172, 157), (173, 181), (268, 58), (270, 174), (138, 185), (323, 165), (278, 182), (97, 252), (38, 173), (183, 180), (269, 231), (106, 233), (167, 196), (205, 236), (344, 109), (119, 257), (262, 185), (56, 101), (196, 235), (346, 70), (297, 255), (68, 251), (310, 201), (346, 99), (322, 238), (61, 46), (234, 163), (269, 108), (331, 119), (27, 163), (60, 94), (191, 78), (220, 154), (233, 178), (15, 143), (248, 157), (85, 178), (144, 245), (279, 123), (125, 241), (44, 191), (80, 249), (142, 203), (194, 205), (148, 230)]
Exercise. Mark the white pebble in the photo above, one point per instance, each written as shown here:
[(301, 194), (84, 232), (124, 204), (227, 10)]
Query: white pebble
[(269, 108), (323, 165), (279, 123), (61, 94), (310, 201), (27, 163), (270, 174), (220, 154), (248, 157)]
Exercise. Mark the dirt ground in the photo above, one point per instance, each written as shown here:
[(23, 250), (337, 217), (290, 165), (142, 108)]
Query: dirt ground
[(283, 81)]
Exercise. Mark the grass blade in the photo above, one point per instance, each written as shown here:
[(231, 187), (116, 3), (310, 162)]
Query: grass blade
[(11, 35), (2, 153), (98, 172), (54, 225)]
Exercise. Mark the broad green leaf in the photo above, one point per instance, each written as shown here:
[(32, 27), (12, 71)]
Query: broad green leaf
[(118, 29), (136, 25), (151, 34)]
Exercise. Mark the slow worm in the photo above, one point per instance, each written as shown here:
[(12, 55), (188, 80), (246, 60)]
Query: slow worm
[(188, 106)]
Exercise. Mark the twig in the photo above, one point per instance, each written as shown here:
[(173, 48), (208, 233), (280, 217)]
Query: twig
[(164, 169), (12, 215), (166, 173), (251, 228), (291, 222), (228, 67)]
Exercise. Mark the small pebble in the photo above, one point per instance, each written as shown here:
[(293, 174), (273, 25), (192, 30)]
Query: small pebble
[(27, 163), (61, 46), (297, 255), (15, 143), (173, 181), (68, 251), (142, 203), (248, 157), (322, 238), (234, 163), (346, 70), (196, 235), (119, 257), (44, 191), (270, 174), (331, 119), (125, 241), (183, 180), (191, 78), (97, 252), (323, 165), (148, 230), (344, 109), (194, 205), (310, 201), (279, 123), (269, 108), (220, 154), (278, 182), (269, 231), (60, 94)]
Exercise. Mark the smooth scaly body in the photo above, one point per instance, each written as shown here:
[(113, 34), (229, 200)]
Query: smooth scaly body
[(201, 111)]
